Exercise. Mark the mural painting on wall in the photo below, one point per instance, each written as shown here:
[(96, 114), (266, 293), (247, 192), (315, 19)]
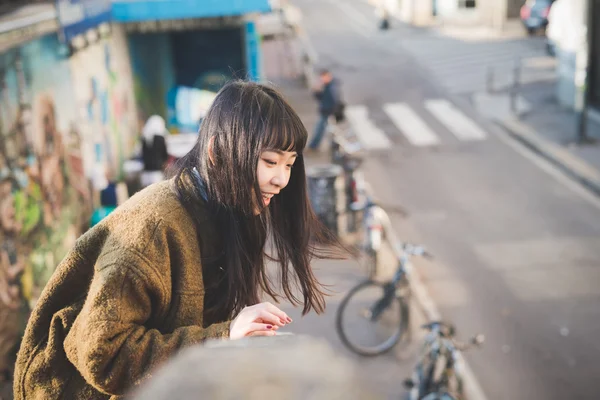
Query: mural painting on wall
[(104, 92), (43, 188)]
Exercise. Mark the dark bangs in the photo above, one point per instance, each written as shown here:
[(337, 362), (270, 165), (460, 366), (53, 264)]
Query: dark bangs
[(283, 129)]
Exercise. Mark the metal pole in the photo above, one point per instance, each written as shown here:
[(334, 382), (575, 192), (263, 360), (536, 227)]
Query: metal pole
[(582, 132), (515, 87)]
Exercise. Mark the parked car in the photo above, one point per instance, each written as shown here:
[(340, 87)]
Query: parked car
[(534, 15)]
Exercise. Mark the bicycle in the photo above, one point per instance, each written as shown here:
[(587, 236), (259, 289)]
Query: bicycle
[(374, 300), (438, 374), (347, 152)]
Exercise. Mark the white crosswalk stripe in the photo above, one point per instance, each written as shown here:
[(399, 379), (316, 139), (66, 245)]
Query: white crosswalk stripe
[(454, 120), (365, 129), (416, 128), (410, 124)]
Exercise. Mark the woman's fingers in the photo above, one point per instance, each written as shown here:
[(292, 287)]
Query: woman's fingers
[(270, 318), (256, 326), (274, 310), (262, 330)]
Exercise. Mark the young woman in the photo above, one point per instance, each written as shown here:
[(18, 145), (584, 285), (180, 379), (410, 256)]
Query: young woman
[(183, 260)]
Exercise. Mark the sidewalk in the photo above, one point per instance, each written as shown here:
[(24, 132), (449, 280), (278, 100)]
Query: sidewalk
[(551, 131)]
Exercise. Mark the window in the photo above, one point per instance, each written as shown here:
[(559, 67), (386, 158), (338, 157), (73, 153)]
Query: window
[(467, 3)]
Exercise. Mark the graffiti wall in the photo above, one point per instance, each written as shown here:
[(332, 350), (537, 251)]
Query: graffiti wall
[(64, 122), (40, 171), (103, 88)]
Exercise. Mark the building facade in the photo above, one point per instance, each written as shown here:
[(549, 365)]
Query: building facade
[(77, 80), (492, 13)]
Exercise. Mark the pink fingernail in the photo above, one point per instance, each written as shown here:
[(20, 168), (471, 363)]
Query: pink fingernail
[(269, 326)]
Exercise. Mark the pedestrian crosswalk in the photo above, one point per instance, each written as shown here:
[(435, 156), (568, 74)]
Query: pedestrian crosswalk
[(374, 137), (408, 122), (459, 124), (415, 123)]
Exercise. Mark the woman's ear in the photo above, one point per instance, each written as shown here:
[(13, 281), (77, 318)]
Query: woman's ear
[(211, 154)]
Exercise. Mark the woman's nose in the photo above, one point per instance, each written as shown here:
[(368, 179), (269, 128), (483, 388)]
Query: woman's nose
[(281, 177)]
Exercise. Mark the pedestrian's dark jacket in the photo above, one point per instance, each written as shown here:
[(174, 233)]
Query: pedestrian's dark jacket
[(154, 155), (330, 97), (127, 297)]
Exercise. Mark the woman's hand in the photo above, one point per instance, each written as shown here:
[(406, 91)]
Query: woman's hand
[(262, 319)]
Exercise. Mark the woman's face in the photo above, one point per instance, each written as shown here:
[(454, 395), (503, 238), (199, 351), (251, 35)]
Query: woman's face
[(273, 172)]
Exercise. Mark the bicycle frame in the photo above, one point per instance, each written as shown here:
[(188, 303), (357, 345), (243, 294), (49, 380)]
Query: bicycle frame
[(390, 290), (438, 371), (348, 155)]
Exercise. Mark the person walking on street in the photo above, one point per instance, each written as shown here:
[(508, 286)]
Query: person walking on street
[(183, 260), (330, 103)]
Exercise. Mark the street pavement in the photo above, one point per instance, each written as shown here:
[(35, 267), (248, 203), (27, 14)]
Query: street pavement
[(517, 243)]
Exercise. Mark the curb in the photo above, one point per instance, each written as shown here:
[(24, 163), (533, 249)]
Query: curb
[(566, 161), (425, 303), (472, 389)]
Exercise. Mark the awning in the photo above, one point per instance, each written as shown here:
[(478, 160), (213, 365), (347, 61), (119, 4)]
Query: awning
[(149, 10)]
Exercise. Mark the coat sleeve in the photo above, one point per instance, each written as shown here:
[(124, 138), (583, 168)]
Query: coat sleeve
[(109, 342)]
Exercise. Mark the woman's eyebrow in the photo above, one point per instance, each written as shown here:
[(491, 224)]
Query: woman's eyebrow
[(282, 153)]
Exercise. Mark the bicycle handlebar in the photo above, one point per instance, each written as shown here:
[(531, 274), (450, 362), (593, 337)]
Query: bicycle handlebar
[(350, 148), (415, 250), (447, 331)]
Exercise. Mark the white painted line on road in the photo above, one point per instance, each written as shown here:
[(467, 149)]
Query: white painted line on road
[(410, 124), (458, 123), (550, 169), (365, 129)]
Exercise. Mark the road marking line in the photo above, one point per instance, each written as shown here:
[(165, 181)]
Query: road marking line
[(550, 169), (458, 123), (365, 129), (410, 124)]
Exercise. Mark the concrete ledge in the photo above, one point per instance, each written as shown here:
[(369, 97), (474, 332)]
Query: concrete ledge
[(281, 367), (569, 163)]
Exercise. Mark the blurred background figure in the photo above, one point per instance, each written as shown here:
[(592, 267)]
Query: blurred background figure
[(330, 101), (534, 15), (154, 150)]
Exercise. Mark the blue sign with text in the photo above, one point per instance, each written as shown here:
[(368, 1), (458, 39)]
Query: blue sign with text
[(77, 16)]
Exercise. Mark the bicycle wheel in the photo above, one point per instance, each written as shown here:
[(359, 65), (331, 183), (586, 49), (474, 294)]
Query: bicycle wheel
[(371, 319)]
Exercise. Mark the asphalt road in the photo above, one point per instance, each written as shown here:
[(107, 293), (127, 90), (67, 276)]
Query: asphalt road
[(517, 244)]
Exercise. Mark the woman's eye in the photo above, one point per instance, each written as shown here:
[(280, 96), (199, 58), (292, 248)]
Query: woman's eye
[(270, 162), (290, 165)]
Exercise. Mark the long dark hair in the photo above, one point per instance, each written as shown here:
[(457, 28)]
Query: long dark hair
[(244, 120)]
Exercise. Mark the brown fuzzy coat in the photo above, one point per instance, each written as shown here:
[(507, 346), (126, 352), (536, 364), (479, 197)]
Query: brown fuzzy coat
[(127, 297)]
